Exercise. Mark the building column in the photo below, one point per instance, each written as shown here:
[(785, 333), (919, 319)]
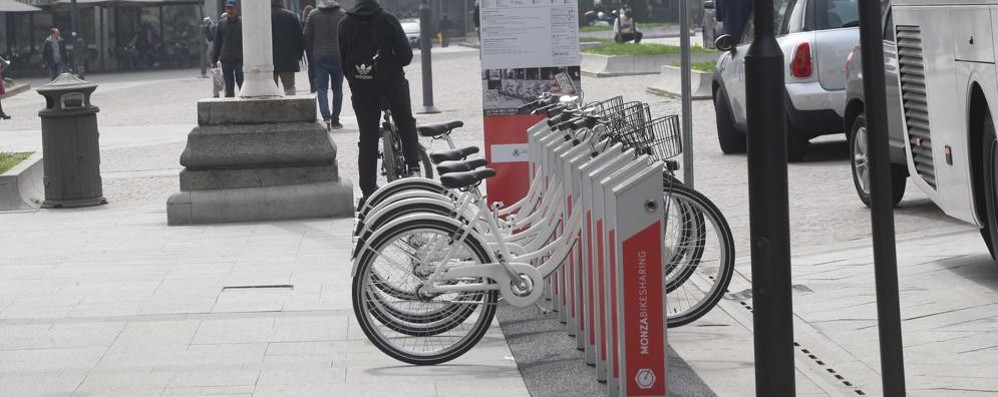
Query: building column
[(258, 51)]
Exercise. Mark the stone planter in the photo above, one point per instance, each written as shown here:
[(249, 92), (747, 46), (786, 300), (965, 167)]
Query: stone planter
[(596, 65), (21, 187), (670, 83)]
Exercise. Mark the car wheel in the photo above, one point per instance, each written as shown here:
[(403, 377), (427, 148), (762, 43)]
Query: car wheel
[(859, 156), (732, 141), (797, 143), (989, 147)]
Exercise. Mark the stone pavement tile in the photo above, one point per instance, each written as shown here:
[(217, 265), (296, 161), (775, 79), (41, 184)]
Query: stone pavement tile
[(250, 330), (19, 311), (22, 336), (205, 391), (177, 306), (139, 383), (385, 389), (301, 376), (32, 288), (251, 300), (48, 359), (110, 309), (181, 359), (188, 288), (204, 378), (305, 329), (137, 336), (77, 336), (39, 385), (478, 388), (403, 373)]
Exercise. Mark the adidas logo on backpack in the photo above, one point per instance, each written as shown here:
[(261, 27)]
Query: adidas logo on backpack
[(364, 72)]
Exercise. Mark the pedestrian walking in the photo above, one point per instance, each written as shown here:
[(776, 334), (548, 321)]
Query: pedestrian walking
[(323, 41), (625, 29), (374, 49), (228, 48), (288, 45), (54, 54), (3, 67), (443, 29), (308, 51)]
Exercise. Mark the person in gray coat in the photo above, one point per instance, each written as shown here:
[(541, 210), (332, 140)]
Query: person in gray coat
[(321, 38)]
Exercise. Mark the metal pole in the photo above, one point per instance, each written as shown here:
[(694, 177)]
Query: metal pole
[(102, 34), (74, 15), (769, 210), (425, 47), (686, 93), (203, 44), (882, 208)]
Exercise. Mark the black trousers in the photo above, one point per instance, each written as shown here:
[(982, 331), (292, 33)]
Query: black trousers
[(367, 107)]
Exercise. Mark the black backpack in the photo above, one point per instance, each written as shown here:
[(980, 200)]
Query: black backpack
[(366, 57)]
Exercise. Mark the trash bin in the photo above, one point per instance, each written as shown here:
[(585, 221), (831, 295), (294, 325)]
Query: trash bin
[(69, 144)]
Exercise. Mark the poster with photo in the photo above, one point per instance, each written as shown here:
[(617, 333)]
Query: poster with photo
[(529, 47), (505, 90)]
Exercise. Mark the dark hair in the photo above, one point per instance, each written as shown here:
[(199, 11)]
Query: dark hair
[(305, 11)]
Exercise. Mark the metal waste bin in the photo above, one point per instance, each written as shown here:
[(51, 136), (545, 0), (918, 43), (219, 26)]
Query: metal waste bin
[(69, 144)]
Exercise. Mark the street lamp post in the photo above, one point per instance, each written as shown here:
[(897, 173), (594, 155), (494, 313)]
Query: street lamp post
[(425, 47), (769, 210)]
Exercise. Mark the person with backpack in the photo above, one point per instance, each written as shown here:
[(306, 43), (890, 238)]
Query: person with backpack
[(373, 51), (322, 41)]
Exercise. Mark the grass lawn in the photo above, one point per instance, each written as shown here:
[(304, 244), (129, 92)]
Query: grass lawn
[(9, 160), (612, 48), (706, 66)]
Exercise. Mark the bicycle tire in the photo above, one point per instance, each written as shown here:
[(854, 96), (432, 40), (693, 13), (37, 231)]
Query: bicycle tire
[(427, 164), (713, 220), (384, 343)]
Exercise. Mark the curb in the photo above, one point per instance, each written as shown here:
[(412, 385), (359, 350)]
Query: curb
[(21, 187), (16, 90)]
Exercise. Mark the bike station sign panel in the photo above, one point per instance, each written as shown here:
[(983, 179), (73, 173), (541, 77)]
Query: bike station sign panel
[(525, 45)]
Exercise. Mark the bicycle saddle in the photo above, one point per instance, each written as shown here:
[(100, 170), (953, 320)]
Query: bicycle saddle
[(440, 156), (459, 180), (435, 130), (448, 167)]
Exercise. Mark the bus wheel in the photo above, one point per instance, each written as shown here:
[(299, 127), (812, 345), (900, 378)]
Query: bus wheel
[(989, 145)]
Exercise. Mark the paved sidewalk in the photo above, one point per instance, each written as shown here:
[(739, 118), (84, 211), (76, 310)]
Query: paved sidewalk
[(110, 301)]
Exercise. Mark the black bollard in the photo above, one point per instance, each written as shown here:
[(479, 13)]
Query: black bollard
[(769, 210), (881, 205), (425, 47)]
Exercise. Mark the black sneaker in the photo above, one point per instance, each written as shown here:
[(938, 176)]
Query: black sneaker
[(335, 125)]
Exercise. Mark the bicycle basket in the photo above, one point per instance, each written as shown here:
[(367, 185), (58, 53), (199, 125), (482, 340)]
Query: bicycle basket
[(666, 140), (608, 106), (628, 126)]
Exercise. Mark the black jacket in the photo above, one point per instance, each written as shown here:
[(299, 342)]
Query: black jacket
[(392, 40), (228, 44), (48, 56), (322, 30), (288, 42)]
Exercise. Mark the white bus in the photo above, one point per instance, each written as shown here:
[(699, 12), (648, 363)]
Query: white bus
[(949, 95)]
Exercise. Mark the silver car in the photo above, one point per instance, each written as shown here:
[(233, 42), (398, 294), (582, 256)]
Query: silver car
[(855, 118), (816, 36)]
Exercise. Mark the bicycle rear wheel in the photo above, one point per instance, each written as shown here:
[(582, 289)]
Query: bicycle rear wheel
[(447, 325), (702, 262)]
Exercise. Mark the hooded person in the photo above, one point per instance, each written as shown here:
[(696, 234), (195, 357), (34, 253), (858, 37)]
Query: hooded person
[(323, 41), (373, 51)]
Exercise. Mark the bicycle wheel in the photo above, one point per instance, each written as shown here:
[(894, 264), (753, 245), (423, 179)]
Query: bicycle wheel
[(390, 151), (389, 261), (700, 277), (427, 164)]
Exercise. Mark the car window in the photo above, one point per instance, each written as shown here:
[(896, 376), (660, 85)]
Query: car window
[(781, 7), (835, 14), (795, 21), (410, 27)]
